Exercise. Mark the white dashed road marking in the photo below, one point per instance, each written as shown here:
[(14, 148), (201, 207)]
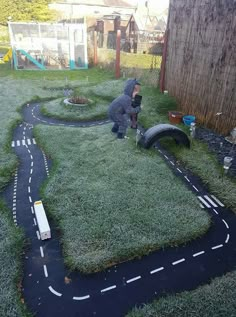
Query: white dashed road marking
[(198, 253), (177, 262), (54, 292), (133, 279), (45, 271), (227, 239), (216, 212), (187, 179), (157, 270), (81, 298), (227, 226), (41, 251), (217, 247), (108, 288)]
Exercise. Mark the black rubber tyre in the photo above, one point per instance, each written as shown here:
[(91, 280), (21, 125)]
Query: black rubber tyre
[(159, 131)]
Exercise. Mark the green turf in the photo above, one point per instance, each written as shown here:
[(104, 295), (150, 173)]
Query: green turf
[(112, 200), (11, 244), (17, 87), (216, 299), (100, 96)]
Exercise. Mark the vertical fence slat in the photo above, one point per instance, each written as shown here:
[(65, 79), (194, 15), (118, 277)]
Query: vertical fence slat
[(201, 60)]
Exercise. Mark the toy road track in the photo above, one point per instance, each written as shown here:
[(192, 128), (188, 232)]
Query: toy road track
[(50, 290)]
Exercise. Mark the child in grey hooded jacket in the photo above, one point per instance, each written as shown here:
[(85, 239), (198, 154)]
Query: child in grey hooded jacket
[(121, 108)]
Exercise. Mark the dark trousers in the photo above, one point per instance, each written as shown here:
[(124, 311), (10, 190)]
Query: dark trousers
[(133, 120)]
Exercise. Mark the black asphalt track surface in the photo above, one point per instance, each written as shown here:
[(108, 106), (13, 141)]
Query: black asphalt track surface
[(111, 293)]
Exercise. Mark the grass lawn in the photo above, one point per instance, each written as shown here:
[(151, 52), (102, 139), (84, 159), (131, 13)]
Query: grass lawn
[(216, 299), (112, 200), (16, 89), (96, 185), (11, 244), (100, 95)]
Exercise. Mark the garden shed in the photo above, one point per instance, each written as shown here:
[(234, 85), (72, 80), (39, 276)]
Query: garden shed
[(144, 32), (48, 45), (200, 62)]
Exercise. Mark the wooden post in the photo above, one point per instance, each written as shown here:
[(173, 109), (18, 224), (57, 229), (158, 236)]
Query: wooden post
[(163, 63), (95, 55), (118, 35)]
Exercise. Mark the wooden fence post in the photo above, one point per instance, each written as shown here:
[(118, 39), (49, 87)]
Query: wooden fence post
[(118, 35), (163, 62), (95, 56)]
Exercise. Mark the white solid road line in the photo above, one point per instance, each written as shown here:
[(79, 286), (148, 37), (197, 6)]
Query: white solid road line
[(195, 188), (108, 289), (81, 297), (133, 279), (198, 253), (157, 270), (54, 292), (45, 271), (179, 261)]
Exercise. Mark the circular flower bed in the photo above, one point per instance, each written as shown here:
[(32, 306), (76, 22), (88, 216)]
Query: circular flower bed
[(77, 101)]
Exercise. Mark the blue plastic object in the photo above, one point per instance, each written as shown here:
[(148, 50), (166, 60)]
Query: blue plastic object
[(188, 119)]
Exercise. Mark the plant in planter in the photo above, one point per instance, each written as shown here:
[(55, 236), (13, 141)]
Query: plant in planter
[(78, 100)]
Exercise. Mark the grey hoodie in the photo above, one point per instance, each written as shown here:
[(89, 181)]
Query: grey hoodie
[(122, 104)]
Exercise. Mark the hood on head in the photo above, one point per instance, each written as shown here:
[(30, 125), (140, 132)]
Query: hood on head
[(129, 86)]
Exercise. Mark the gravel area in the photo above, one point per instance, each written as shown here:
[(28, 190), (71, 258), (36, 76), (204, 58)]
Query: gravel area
[(217, 144)]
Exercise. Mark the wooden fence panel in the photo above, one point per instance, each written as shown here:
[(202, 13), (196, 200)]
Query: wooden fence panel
[(201, 60)]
